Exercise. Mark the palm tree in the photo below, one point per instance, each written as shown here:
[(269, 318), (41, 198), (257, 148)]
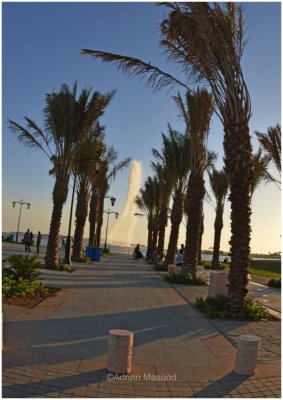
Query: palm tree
[(166, 182), (197, 113), (99, 193), (86, 175), (147, 202), (271, 143), (207, 40), (219, 184), (176, 151), (67, 120)]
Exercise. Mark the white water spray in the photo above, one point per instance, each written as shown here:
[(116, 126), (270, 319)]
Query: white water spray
[(124, 226)]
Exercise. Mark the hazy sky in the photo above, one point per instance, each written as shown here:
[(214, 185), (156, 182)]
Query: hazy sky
[(41, 50)]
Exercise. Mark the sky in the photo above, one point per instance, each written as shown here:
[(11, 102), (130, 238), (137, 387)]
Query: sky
[(41, 44)]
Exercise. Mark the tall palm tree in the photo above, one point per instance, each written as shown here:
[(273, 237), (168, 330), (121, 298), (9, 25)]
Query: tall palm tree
[(219, 185), (166, 182), (271, 143), (176, 153), (207, 41), (86, 175), (197, 111), (147, 202), (104, 179), (67, 120)]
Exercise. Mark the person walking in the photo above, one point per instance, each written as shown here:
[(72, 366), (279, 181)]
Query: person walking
[(27, 240), (31, 239), (38, 241)]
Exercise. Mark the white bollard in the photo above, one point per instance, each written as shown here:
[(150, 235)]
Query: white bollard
[(120, 350), (248, 346), (171, 269), (218, 283)]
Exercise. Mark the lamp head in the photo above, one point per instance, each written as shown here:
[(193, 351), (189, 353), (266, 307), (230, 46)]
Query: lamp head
[(112, 200), (28, 205), (116, 215), (14, 203)]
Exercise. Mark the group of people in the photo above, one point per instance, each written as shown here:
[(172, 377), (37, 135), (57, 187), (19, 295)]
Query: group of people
[(28, 240), (150, 254), (153, 255)]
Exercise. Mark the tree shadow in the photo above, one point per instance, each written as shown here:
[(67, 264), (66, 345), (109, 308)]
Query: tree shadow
[(46, 386), (222, 387)]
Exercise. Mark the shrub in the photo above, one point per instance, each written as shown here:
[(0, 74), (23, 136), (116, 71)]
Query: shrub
[(221, 266), (185, 280), (83, 259), (218, 307), (160, 267), (22, 267), (8, 239), (106, 252), (64, 268), (21, 287), (276, 283)]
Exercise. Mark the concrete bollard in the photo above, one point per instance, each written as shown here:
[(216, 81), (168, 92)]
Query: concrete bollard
[(120, 350), (178, 270), (171, 269), (246, 359), (218, 283)]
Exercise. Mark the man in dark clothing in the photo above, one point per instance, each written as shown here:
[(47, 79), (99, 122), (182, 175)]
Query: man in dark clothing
[(38, 240), (27, 240)]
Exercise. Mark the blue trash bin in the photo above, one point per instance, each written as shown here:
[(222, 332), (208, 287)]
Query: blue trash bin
[(96, 254), (93, 253), (89, 252)]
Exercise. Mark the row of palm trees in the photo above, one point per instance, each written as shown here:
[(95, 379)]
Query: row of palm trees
[(73, 139), (178, 156), (207, 41)]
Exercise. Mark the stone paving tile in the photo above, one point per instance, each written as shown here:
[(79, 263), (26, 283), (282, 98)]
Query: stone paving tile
[(269, 331), (171, 337)]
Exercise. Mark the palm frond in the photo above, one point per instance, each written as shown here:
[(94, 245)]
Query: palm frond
[(29, 139), (155, 77), (118, 167), (271, 143)]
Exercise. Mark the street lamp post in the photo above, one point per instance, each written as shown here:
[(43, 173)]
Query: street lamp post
[(67, 259), (108, 213), (21, 202)]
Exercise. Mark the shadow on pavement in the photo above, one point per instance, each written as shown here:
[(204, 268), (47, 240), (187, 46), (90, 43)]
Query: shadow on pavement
[(222, 387)]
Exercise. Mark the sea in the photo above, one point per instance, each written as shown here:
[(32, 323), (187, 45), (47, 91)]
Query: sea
[(124, 249)]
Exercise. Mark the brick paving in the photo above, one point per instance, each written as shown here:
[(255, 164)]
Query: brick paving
[(269, 331), (59, 347)]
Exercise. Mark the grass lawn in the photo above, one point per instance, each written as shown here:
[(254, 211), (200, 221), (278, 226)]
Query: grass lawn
[(270, 269)]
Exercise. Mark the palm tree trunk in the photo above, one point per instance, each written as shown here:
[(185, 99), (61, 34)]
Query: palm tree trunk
[(200, 239), (154, 234), (218, 225), (162, 223), (99, 223), (60, 193), (100, 212), (176, 219), (93, 209), (150, 231), (81, 216), (195, 196), (238, 164)]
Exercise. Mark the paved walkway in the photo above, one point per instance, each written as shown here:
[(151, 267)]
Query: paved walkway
[(59, 347)]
